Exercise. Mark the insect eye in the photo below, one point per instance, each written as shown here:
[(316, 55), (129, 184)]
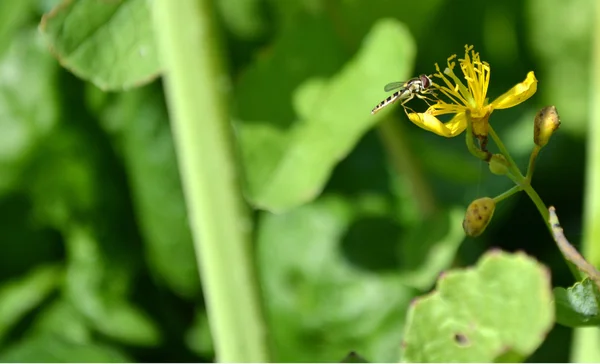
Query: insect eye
[(425, 81)]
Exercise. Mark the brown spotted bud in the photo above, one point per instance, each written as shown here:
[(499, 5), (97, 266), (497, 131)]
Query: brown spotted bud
[(546, 122), (498, 165), (478, 216)]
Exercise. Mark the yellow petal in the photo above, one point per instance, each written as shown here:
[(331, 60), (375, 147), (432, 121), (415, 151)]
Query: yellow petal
[(519, 93), (430, 123)]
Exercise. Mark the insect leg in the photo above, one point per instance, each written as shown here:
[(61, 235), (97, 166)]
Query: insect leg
[(426, 99), (405, 107)]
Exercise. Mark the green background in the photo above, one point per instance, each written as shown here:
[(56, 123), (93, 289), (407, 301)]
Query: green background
[(96, 257)]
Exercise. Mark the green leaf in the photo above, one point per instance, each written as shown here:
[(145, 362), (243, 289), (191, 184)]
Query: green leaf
[(286, 168), (578, 305), (78, 191), (110, 43), (98, 292), (12, 16), (321, 302), (19, 297), (430, 246), (61, 319), (145, 142), (28, 103), (51, 349), (499, 310)]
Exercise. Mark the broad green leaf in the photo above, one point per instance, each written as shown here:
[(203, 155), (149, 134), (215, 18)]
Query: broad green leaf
[(578, 305), (430, 247), (322, 303), (499, 310), (77, 190), (61, 319), (109, 43), (144, 139), (286, 168), (12, 16), (98, 292), (28, 103), (19, 297), (51, 349)]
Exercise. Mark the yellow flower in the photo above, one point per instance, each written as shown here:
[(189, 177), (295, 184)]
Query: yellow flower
[(471, 96)]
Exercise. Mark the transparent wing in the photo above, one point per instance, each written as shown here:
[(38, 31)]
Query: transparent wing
[(394, 85)]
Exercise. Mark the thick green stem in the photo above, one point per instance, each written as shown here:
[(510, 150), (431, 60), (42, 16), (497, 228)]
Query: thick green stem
[(405, 164), (194, 80), (586, 347)]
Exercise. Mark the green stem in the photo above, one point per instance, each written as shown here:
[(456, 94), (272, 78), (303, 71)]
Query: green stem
[(591, 233), (522, 181), (585, 341), (532, 158), (513, 166), (539, 204), (525, 184), (507, 194), (398, 150), (220, 223)]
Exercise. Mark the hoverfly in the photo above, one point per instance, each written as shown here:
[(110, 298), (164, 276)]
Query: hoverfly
[(418, 86)]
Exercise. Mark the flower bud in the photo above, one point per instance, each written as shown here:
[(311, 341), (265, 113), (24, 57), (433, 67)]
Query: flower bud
[(498, 165), (546, 122), (478, 216)]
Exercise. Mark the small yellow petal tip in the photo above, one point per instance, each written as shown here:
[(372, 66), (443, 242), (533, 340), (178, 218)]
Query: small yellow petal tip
[(519, 93)]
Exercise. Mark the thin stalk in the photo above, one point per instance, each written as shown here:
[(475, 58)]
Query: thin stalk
[(507, 194), (532, 158), (194, 76), (585, 341), (525, 184), (404, 162), (513, 166)]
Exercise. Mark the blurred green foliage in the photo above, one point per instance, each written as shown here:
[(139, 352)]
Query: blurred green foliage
[(97, 261)]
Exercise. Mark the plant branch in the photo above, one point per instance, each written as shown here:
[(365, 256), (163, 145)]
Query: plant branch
[(220, 223)]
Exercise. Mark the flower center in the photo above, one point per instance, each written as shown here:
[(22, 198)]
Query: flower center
[(461, 96)]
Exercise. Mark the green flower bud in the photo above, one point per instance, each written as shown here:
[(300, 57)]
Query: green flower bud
[(498, 165), (478, 216), (546, 122)]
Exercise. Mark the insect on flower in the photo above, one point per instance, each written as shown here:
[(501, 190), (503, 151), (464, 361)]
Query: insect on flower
[(418, 86)]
